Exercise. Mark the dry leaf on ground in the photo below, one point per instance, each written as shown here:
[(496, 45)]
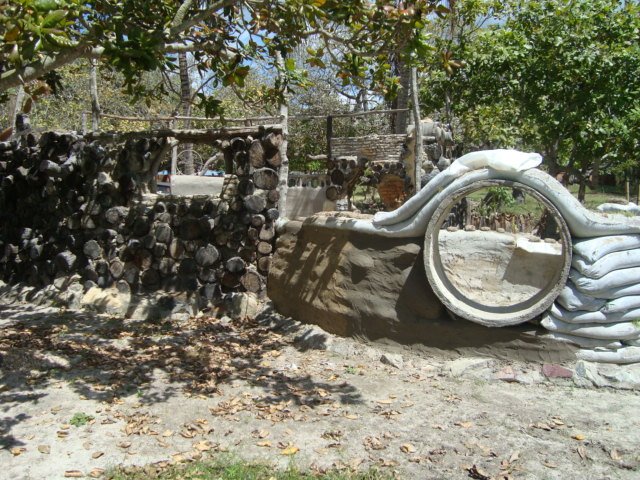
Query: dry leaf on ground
[(291, 450)]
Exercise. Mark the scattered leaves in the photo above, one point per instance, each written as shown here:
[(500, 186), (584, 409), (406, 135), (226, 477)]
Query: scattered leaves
[(15, 451), (73, 474), (44, 449), (477, 473), (464, 424), (407, 448), (290, 450)]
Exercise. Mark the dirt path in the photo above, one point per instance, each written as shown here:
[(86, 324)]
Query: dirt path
[(143, 393)]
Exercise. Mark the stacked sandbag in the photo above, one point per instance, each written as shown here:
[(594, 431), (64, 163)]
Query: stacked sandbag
[(599, 308)]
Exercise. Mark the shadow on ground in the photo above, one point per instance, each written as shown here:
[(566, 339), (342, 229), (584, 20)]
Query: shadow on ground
[(105, 358)]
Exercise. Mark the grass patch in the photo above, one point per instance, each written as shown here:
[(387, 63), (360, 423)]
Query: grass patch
[(79, 419), (237, 470)]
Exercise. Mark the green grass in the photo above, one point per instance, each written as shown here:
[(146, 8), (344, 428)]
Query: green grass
[(237, 470), (79, 419), (594, 198)]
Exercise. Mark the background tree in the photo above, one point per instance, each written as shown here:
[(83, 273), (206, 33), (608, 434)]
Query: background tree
[(558, 77)]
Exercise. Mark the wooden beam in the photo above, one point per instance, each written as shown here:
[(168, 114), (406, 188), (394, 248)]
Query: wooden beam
[(192, 135)]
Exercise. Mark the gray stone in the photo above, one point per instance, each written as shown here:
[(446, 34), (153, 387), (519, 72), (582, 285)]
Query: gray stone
[(240, 306), (462, 366), (393, 359)]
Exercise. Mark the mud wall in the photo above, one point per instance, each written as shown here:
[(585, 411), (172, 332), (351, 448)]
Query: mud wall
[(357, 284), (76, 211)]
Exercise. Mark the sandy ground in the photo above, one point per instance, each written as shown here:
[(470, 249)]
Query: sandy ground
[(274, 391)]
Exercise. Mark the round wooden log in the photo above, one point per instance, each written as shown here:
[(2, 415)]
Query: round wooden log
[(116, 268), (256, 154), (230, 280), (273, 214), (275, 160), (207, 275), (337, 177), (65, 261), (253, 234), (237, 144), (265, 248), (273, 196), (264, 263), (246, 187), (92, 249), (254, 203), (248, 254), (257, 220), (252, 281), (267, 233), (222, 238), (272, 140), (265, 178), (143, 258), (234, 265), (176, 249), (207, 256)]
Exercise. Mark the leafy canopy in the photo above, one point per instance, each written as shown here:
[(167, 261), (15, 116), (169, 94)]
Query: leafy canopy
[(226, 37)]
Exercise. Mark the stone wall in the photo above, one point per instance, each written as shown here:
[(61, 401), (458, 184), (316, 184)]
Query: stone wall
[(76, 211)]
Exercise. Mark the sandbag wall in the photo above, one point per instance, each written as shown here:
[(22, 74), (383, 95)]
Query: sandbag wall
[(72, 212), (599, 308)]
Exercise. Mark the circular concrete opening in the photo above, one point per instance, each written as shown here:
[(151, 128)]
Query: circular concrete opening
[(497, 253)]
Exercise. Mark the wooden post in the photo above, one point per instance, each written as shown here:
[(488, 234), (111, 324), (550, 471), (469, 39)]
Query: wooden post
[(418, 129), (95, 102), (84, 123), (329, 135), (283, 175)]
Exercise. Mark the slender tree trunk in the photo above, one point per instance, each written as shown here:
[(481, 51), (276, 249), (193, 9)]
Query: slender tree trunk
[(185, 101), (418, 130), (283, 176), (595, 174), (402, 101), (16, 106), (95, 101)]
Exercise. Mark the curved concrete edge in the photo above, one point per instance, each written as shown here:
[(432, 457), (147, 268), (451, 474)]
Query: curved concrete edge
[(476, 312), (581, 222)]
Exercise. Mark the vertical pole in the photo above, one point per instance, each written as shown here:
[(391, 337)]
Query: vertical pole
[(329, 135), (283, 174), (95, 102), (418, 129)]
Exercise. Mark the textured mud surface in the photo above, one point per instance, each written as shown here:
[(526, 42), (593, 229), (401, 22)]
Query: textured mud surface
[(80, 393)]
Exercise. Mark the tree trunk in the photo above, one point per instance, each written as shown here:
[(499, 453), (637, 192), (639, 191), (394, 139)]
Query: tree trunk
[(16, 106), (185, 100), (95, 101), (283, 174), (418, 131), (402, 100), (582, 189)]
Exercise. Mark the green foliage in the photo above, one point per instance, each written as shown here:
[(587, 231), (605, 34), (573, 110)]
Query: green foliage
[(227, 39), (80, 419), (495, 199), (62, 109), (558, 77)]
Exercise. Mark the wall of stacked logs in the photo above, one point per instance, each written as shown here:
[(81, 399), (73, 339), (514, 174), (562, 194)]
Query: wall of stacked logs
[(74, 207)]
